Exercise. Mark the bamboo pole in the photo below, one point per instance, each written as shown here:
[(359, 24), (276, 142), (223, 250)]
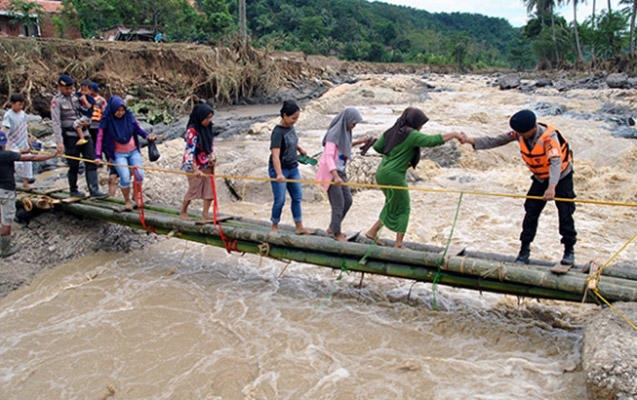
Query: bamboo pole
[(421, 266)]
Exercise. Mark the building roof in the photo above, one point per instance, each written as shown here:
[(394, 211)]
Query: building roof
[(48, 6)]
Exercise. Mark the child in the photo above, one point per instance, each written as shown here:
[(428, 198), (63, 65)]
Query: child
[(199, 158), (86, 111), (7, 191), (14, 124)]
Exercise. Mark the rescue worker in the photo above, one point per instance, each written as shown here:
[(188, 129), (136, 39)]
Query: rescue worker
[(547, 154), (64, 111)]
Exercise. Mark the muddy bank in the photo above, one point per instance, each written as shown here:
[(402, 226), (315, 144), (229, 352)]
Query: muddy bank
[(163, 80)]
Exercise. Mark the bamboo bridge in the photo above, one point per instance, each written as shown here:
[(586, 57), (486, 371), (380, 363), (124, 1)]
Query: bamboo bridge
[(442, 265)]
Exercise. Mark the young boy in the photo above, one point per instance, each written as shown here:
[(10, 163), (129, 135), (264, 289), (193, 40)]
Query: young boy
[(86, 111), (7, 191), (14, 124)]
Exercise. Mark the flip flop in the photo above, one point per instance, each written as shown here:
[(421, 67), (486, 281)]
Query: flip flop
[(377, 241), (121, 209)]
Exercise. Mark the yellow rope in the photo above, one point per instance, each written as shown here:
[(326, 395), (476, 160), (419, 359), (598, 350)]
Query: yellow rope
[(632, 325), (362, 185), (595, 275)]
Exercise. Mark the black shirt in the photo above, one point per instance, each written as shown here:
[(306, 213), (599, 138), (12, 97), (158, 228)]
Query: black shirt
[(286, 140), (7, 169)]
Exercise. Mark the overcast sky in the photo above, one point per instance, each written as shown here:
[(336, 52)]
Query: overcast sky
[(512, 10)]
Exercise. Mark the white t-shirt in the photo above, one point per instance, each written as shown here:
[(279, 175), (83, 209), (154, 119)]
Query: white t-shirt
[(17, 133)]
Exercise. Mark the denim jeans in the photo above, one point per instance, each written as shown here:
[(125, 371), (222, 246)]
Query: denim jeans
[(279, 188), (134, 159)]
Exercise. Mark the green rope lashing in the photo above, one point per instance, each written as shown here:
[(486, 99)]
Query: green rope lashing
[(434, 287)]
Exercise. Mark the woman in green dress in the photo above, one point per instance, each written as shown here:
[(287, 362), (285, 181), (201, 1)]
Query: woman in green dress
[(400, 146)]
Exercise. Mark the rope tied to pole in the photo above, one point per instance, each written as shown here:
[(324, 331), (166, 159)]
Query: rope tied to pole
[(138, 197), (434, 287)]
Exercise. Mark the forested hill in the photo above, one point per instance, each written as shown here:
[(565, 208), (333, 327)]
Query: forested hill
[(349, 29), (374, 31)]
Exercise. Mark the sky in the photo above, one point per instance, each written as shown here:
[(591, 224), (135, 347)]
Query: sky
[(512, 10)]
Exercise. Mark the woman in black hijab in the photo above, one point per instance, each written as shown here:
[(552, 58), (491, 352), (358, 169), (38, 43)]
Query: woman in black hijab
[(199, 159)]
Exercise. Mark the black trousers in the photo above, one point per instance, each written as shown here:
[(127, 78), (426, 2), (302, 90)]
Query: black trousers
[(565, 210), (85, 151)]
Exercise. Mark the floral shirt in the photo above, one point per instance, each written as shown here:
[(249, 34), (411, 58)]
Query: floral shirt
[(193, 154)]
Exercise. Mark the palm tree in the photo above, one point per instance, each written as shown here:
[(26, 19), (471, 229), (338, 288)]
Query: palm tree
[(594, 28), (577, 42), (242, 22), (633, 11), (544, 8)]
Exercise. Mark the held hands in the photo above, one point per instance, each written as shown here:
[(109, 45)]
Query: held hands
[(549, 194), (463, 138)]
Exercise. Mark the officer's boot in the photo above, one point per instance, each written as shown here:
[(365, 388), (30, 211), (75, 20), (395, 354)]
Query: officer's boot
[(524, 254), (93, 184), (6, 249), (73, 190), (569, 255)]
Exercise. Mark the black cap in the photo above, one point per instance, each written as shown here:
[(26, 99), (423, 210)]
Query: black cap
[(65, 80), (522, 121)]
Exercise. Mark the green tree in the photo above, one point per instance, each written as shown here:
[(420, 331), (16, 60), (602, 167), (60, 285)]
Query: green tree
[(25, 13)]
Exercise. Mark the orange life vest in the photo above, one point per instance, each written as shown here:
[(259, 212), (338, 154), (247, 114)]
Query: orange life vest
[(537, 158), (97, 111)]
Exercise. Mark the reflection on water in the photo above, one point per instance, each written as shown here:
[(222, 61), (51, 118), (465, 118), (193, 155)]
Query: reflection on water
[(195, 323)]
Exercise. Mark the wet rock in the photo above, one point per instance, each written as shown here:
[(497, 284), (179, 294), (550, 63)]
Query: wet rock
[(543, 82), (363, 169), (563, 85), (445, 156), (548, 109), (617, 81), (510, 81), (610, 354)]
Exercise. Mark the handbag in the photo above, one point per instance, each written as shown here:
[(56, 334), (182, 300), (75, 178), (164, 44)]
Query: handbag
[(153, 151)]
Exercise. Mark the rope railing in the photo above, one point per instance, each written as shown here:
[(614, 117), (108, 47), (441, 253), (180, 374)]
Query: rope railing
[(364, 185)]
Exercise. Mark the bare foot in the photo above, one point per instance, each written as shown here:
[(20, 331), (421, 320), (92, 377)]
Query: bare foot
[(373, 238), (340, 237), (184, 217), (329, 231), (400, 246), (303, 231), (128, 206), (274, 229)]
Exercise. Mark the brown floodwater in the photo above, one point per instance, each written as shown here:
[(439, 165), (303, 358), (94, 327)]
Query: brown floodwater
[(180, 320)]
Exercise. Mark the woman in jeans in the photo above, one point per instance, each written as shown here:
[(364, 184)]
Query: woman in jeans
[(118, 136), (283, 164)]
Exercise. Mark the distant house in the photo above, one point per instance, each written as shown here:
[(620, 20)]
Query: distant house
[(42, 26), (126, 34)]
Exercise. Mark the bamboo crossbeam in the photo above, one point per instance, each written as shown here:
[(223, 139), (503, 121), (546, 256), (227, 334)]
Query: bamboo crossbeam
[(463, 272)]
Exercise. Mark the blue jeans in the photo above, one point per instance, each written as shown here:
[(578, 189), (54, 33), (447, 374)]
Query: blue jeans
[(134, 159), (279, 188)]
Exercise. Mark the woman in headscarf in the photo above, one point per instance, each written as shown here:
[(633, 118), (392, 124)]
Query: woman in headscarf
[(199, 158), (400, 146), (338, 150), (118, 137)]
